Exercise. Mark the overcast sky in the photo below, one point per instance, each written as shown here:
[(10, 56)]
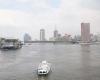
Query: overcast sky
[(18, 17)]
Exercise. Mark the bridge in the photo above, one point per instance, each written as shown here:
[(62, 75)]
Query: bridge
[(65, 42)]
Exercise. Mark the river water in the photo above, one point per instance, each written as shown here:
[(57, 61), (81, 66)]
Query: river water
[(69, 62)]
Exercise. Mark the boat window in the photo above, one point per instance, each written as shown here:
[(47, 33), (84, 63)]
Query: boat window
[(44, 72), (40, 71)]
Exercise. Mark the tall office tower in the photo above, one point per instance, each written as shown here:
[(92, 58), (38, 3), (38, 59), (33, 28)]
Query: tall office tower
[(27, 37), (55, 34), (42, 35), (85, 32)]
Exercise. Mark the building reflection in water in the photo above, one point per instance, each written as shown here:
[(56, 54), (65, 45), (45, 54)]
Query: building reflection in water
[(86, 62)]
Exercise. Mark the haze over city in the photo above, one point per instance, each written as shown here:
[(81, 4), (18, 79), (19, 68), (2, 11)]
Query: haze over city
[(49, 39), (18, 17)]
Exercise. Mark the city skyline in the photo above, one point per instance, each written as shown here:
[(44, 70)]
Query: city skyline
[(85, 36), (29, 16), (84, 28)]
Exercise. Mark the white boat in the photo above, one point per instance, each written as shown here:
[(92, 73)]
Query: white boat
[(44, 68)]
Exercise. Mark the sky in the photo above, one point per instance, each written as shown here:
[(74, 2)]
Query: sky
[(18, 17)]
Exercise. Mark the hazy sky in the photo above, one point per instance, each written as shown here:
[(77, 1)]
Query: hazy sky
[(29, 16)]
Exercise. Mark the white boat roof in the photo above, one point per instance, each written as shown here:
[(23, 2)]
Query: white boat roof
[(44, 62), (43, 65)]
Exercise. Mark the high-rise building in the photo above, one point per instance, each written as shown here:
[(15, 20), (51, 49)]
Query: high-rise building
[(85, 32), (42, 35), (55, 34), (27, 37), (98, 37)]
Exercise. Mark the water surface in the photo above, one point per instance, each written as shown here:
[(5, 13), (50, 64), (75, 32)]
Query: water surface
[(69, 62)]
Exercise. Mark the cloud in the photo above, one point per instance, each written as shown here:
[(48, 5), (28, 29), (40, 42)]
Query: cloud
[(23, 1), (7, 17), (31, 15), (91, 4)]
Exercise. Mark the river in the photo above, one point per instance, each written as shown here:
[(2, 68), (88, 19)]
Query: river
[(69, 62)]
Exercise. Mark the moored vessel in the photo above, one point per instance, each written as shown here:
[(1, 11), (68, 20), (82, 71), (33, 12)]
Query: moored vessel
[(10, 44)]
